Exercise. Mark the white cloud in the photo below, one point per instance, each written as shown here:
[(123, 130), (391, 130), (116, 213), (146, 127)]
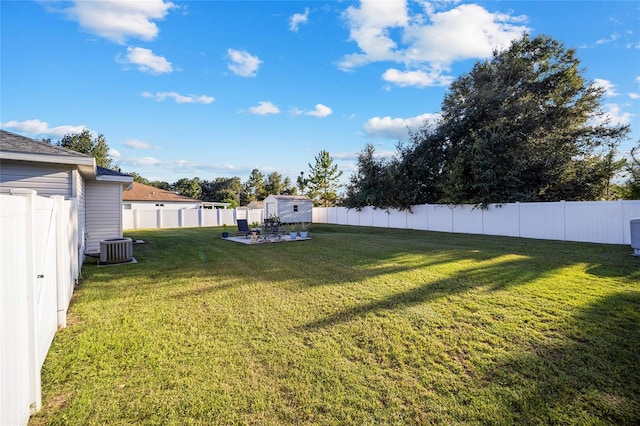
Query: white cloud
[(114, 153), (147, 161), (432, 41), (397, 128), (181, 99), (118, 20), (616, 115), (611, 38), (417, 78), (137, 144), (38, 127), (297, 19), (320, 111), (264, 108), (634, 95), (146, 61), (243, 63), (609, 88), (469, 31), (612, 115)]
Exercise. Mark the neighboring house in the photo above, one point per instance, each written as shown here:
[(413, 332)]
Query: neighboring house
[(147, 197), (53, 170), (289, 208)]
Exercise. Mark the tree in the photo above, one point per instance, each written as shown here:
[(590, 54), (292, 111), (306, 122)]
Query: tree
[(518, 127), (324, 180), (138, 178), (301, 183), (188, 187), (373, 184), (255, 187), (631, 189), (85, 143), (222, 189)]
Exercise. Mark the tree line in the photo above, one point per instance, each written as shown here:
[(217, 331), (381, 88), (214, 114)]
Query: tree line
[(524, 125)]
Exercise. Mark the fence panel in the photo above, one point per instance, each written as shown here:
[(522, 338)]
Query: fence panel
[(190, 218), (502, 220), (38, 269), (418, 218), (380, 218), (440, 218), (226, 217), (587, 221), (15, 391), (46, 293), (467, 220), (544, 221), (209, 217), (342, 216), (169, 218)]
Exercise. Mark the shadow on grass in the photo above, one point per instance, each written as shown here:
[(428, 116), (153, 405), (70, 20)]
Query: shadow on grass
[(596, 372), (493, 274)]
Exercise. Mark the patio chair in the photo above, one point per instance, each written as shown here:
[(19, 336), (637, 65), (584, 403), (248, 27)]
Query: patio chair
[(243, 228)]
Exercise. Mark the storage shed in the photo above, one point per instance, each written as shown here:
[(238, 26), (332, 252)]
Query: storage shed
[(289, 208)]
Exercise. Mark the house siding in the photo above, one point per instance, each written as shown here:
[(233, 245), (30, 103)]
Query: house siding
[(104, 213), (80, 193), (46, 179)]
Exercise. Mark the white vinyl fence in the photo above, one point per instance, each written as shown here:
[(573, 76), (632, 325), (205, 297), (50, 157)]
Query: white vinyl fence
[(586, 221), (186, 218), (39, 266)]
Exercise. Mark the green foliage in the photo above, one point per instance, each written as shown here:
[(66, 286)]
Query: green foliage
[(518, 129), (188, 188), (323, 181), (631, 189), (86, 143), (222, 189), (522, 126), (373, 184)]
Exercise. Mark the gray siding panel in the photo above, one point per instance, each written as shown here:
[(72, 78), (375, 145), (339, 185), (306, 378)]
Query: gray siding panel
[(104, 213), (46, 179)]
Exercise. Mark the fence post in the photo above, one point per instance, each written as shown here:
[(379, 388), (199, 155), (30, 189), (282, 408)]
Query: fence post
[(35, 384), (159, 219)]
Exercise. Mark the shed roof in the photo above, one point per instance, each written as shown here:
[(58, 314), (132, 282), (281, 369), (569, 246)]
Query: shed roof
[(290, 197), (142, 192)]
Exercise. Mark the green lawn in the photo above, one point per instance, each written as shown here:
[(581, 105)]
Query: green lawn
[(357, 326)]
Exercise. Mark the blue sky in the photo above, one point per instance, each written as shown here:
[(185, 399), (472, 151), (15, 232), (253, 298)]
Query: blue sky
[(219, 88)]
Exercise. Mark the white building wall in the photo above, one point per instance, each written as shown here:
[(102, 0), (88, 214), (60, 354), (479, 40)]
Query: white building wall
[(46, 179), (104, 213)]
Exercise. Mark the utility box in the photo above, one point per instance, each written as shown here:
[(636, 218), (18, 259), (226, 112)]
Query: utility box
[(635, 236)]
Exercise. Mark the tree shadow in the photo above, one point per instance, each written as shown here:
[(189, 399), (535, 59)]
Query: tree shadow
[(590, 376), (494, 274)]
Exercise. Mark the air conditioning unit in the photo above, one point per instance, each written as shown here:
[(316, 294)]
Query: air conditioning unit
[(116, 250)]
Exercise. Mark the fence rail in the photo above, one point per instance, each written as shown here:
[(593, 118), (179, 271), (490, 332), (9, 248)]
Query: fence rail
[(604, 222), (39, 266)]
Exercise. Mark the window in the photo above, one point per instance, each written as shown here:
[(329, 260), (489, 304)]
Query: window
[(127, 206), (295, 209)]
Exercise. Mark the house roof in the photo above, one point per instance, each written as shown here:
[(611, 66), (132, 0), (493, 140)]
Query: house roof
[(142, 192), (21, 148), (256, 205)]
